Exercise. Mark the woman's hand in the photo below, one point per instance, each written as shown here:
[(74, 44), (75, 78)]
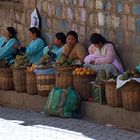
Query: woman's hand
[(15, 47), (92, 62)]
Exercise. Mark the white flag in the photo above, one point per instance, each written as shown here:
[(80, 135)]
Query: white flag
[(34, 19)]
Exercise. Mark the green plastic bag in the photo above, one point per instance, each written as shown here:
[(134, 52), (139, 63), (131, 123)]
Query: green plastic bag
[(62, 102)]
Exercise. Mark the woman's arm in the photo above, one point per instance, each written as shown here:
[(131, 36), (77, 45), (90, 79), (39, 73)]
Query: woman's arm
[(109, 58), (91, 49), (8, 48), (34, 47)]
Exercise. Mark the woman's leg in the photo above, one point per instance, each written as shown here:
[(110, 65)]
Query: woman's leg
[(108, 68)]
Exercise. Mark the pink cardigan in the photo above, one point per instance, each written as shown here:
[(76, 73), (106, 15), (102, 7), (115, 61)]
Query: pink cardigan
[(105, 55)]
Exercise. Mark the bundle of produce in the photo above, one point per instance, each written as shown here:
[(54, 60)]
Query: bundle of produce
[(46, 60), (31, 81), (21, 61), (63, 61), (32, 68), (4, 63), (130, 73), (101, 76)]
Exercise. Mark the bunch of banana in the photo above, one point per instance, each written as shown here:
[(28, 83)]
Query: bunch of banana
[(21, 60), (63, 61), (45, 60), (4, 63), (101, 76)]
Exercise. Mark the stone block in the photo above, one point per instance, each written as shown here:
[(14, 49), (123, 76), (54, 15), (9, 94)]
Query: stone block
[(58, 10), (131, 23), (81, 3), (63, 12), (107, 5), (101, 19), (90, 4), (70, 13), (138, 25), (44, 6), (99, 4), (83, 13), (136, 9), (64, 25), (82, 30), (91, 20), (30, 4), (136, 41), (50, 10), (115, 21), (128, 39), (74, 27), (119, 7), (126, 8)]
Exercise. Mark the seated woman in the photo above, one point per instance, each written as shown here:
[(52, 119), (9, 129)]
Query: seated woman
[(7, 43), (56, 47), (103, 56), (73, 49), (34, 50)]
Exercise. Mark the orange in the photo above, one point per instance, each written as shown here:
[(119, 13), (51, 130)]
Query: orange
[(74, 73), (87, 73)]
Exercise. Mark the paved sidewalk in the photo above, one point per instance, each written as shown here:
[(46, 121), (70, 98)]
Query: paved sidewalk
[(18, 124)]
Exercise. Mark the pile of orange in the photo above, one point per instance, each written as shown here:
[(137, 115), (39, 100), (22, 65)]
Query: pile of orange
[(32, 68), (83, 71)]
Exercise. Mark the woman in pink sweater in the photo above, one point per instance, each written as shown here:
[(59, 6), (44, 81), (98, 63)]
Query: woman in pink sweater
[(102, 55)]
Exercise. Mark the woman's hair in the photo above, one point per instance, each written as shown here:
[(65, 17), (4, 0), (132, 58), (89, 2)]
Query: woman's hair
[(35, 30), (73, 33), (97, 38), (61, 36), (12, 31)]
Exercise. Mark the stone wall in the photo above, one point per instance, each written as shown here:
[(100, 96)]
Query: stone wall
[(117, 20), (16, 13)]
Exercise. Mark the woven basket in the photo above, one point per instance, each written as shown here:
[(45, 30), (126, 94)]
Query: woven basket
[(113, 96), (82, 85), (6, 79), (31, 83), (64, 79), (19, 77), (131, 96), (65, 69), (45, 83)]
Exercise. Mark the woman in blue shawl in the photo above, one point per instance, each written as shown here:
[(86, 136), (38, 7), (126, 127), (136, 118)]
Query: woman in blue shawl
[(34, 50), (7, 43)]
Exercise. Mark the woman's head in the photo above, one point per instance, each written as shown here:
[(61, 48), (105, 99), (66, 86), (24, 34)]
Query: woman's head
[(98, 40), (34, 33), (10, 33), (71, 38), (60, 39)]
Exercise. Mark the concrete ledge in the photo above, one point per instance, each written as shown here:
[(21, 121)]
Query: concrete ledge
[(22, 100), (93, 111), (115, 116)]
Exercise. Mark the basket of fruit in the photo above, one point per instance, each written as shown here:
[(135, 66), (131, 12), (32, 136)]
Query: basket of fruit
[(113, 95), (81, 82), (6, 79), (64, 76), (131, 90), (19, 73), (31, 82), (45, 83)]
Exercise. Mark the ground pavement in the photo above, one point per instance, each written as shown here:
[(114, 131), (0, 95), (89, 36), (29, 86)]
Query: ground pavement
[(18, 124)]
